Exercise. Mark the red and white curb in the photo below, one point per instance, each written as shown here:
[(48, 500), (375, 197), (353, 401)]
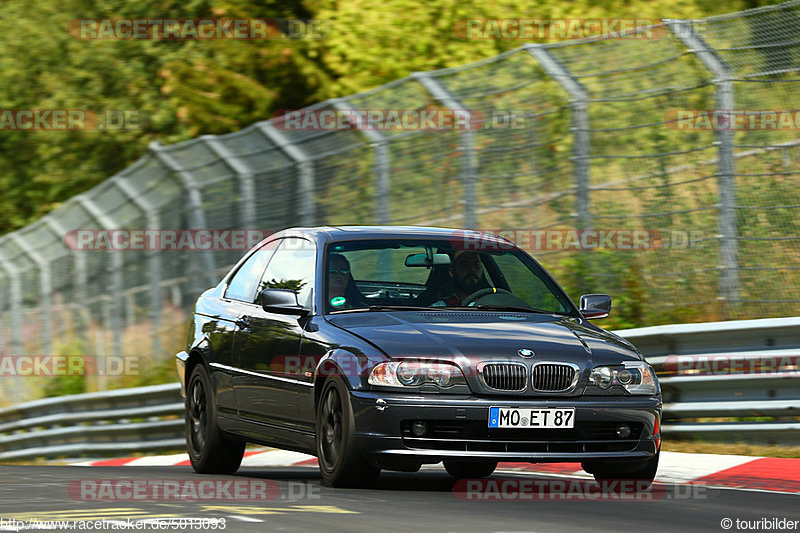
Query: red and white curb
[(737, 471)]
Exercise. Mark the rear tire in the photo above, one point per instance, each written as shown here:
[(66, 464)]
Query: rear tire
[(340, 462), (470, 469), (210, 450)]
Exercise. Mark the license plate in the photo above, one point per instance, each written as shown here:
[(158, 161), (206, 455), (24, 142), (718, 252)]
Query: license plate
[(503, 417)]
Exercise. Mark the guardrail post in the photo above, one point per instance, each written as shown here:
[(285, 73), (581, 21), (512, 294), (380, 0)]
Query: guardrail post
[(728, 231), (116, 279), (579, 101), (45, 290), (305, 165), (197, 216), (469, 158), (153, 256)]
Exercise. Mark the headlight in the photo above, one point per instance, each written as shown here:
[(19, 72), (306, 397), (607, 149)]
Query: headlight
[(635, 377), (411, 373)]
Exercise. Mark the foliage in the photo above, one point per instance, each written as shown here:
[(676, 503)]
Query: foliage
[(61, 385), (190, 88)]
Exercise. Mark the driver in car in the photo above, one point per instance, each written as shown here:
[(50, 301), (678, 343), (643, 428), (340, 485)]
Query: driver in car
[(342, 290), (466, 271)]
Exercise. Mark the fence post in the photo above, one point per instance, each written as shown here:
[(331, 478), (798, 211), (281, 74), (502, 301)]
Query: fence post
[(469, 159), (45, 290), (116, 282), (153, 256), (15, 304), (728, 231), (81, 315), (305, 165), (247, 190), (579, 101), (197, 216), (5, 285), (382, 165), (15, 322)]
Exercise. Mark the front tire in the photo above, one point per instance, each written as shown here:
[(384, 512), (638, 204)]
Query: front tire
[(340, 462), (210, 451), (470, 469)]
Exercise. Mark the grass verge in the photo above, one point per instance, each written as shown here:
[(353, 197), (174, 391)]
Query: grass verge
[(740, 448)]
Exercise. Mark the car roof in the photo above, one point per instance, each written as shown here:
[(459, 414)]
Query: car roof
[(352, 233)]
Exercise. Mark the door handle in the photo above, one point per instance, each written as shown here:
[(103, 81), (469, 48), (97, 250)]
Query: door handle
[(243, 322)]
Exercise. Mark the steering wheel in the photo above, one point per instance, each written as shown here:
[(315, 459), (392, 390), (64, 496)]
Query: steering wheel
[(480, 293)]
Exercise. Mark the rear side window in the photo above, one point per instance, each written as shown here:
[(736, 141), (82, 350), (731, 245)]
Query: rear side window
[(244, 284)]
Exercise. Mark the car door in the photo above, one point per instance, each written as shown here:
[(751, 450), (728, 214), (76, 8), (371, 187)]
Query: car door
[(222, 328), (268, 344)]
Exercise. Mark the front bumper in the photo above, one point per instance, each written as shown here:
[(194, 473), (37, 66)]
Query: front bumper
[(458, 429), (180, 364)]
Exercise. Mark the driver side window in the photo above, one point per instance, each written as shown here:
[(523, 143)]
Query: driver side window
[(244, 283), (292, 267)]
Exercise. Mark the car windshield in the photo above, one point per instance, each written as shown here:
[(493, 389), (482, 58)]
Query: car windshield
[(397, 273)]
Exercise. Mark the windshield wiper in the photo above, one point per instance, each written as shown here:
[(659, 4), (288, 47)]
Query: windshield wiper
[(398, 308), (385, 308), (513, 308)]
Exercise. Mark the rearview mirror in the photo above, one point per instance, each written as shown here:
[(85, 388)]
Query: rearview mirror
[(422, 260), (281, 301), (595, 306)]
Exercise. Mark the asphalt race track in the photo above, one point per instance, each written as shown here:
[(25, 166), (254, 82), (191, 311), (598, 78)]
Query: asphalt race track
[(423, 501)]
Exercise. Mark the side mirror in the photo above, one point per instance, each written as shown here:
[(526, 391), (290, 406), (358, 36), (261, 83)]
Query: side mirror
[(283, 301), (595, 306)]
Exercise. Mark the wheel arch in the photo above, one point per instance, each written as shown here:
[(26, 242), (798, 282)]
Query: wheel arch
[(348, 366), (196, 357)]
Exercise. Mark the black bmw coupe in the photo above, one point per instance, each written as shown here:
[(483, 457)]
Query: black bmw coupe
[(392, 347)]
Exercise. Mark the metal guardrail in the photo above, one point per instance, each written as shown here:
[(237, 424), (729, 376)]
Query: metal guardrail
[(148, 419), (727, 370), (139, 419)]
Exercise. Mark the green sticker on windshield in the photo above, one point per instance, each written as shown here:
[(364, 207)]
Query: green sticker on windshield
[(338, 301)]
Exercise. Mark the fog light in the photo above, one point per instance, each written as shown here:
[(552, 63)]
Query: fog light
[(623, 431), (419, 428)]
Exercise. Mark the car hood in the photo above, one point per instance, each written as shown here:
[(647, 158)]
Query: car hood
[(487, 336)]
